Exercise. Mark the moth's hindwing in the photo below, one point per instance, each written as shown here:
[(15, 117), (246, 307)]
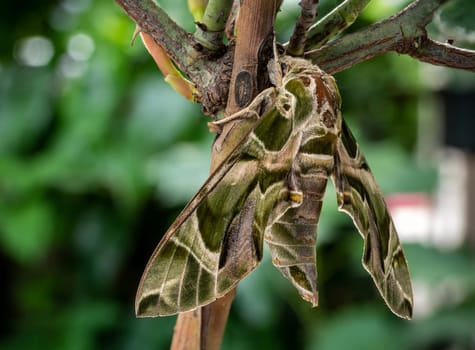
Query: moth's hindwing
[(360, 197)]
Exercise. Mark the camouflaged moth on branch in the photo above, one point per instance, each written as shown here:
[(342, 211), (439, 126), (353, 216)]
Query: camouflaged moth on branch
[(270, 188)]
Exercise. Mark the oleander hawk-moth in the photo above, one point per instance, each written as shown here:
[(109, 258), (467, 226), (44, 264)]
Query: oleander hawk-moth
[(270, 187)]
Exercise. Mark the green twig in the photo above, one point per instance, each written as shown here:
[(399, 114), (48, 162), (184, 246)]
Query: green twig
[(404, 33), (340, 18), (197, 8), (299, 36), (210, 29)]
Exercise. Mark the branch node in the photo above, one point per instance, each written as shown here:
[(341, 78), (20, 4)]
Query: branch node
[(409, 45)]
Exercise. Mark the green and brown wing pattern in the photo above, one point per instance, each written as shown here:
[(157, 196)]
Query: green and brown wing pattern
[(359, 196)]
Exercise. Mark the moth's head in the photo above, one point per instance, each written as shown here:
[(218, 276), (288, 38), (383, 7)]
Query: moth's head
[(293, 66)]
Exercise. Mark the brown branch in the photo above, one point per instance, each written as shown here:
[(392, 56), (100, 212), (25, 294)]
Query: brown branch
[(404, 33), (213, 321), (299, 36), (203, 328), (441, 54), (187, 335), (255, 24)]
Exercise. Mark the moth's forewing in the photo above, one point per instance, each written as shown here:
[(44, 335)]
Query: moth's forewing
[(360, 197), (214, 242)]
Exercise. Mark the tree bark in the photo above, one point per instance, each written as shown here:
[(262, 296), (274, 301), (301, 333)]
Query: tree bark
[(255, 24)]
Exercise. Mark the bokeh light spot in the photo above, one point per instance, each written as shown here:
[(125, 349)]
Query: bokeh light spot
[(35, 51), (80, 47)]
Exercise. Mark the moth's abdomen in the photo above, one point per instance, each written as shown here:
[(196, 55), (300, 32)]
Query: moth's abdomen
[(291, 231), (291, 236)]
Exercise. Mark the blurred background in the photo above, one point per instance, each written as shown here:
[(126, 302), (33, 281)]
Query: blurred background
[(98, 155)]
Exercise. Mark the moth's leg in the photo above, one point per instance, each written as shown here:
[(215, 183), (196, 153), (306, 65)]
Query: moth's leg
[(258, 107), (235, 129)]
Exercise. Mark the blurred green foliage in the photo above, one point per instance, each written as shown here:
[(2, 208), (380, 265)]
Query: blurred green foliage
[(98, 155)]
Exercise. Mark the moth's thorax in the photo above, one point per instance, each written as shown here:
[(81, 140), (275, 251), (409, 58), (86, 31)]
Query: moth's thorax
[(314, 100), (304, 104)]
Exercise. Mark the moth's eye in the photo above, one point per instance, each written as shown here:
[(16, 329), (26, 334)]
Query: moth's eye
[(286, 107), (305, 80)]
